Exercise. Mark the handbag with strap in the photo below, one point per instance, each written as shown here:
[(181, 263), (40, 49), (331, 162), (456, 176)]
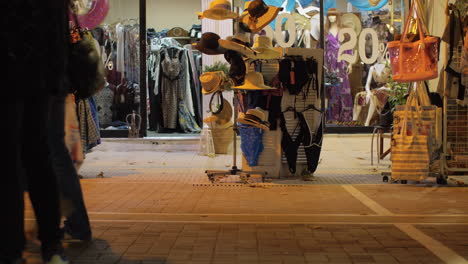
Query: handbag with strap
[(410, 151), (414, 60), (86, 70)]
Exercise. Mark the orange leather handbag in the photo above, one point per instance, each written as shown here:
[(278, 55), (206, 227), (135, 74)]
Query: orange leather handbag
[(417, 60)]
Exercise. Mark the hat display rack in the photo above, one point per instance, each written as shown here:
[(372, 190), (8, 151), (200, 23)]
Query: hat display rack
[(240, 43), (263, 50)]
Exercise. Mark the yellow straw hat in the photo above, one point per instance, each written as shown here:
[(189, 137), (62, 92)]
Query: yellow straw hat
[(212, 81), (264, 48), (219, 10), (253, 81)]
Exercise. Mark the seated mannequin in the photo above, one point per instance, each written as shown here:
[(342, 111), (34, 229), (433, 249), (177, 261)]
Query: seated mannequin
[(376, 98)]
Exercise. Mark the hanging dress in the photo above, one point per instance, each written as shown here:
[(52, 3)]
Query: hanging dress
[(171, 69), (340, 102)]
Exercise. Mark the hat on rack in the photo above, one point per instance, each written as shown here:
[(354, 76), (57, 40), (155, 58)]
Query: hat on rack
[(208, 44), (237, 69), (350, 20), (177, 32), (257, 15), (223, 117), (253, 81), (240, 42), (212, 81), (219, 10), (315, 26), (256, 117), (264, 48)]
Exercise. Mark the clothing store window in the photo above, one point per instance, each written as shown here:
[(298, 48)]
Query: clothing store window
[(358, 77), (357, 70), (173, 97)]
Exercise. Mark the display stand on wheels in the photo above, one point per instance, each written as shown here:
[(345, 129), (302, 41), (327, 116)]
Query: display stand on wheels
[(215, 175)]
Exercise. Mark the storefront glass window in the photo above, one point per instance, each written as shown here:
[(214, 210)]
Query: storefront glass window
[(358, 74)]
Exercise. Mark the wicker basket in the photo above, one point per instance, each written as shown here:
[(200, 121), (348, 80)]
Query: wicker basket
[(222, 139)]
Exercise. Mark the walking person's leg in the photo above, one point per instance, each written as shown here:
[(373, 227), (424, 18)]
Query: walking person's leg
[(12, 193), (77, 222), (41, 177)]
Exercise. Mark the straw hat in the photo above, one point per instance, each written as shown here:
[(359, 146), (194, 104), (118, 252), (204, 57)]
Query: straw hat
[(264, 48), (256, 117), (177, 32), (223, 117), (208, 44), (315, 26), (212, 81), (240, 42), (257, 15), (219, 10), (253, 81), (350, 20)]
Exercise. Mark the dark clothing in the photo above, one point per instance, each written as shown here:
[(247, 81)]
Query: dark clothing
[(36, 36), (76, 223), (29, 152)]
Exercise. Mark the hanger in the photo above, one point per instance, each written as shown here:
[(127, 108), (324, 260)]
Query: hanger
[(311, 106)]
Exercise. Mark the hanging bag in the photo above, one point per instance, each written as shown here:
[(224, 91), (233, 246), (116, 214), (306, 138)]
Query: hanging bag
[(414, 60), (410, 153), (86, 70)]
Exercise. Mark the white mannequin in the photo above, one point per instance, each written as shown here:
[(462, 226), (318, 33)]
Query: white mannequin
[(381, 74)]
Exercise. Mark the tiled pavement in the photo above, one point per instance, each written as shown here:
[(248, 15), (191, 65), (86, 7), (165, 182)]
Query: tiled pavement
[(157, 207)]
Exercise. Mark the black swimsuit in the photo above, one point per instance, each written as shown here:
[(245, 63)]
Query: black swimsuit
[(290, 146)]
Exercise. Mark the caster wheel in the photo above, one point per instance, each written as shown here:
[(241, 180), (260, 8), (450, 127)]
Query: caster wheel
[(385, 179), (404, 182)]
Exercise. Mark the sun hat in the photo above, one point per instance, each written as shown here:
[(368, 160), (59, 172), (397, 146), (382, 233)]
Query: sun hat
[(218, 10), (222, 117), (212, 81), (177, 32), (256, 117), (208, 44), (253, 81), (257, 15), (350, 20), (240, 42), (315, 26), (264, 48)]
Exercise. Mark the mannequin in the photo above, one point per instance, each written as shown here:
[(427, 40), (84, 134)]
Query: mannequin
[(377, 91), (340, 102)]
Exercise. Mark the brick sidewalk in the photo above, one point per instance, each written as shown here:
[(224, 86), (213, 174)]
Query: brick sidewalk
[(158, 207)]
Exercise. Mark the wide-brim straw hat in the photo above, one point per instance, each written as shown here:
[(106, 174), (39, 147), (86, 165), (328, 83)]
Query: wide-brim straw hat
[(253, 81), (255, 117), (212, 82), (258, 15), (264, 48), (240, 42), (209, 44), (350, 20), (223, 117), (218, 10)]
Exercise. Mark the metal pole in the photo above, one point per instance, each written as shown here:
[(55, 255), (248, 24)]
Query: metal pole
[(143, 71), (322, 84)]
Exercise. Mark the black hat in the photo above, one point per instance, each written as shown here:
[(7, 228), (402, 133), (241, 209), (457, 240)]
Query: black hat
[(208, 44), (237, 70)]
